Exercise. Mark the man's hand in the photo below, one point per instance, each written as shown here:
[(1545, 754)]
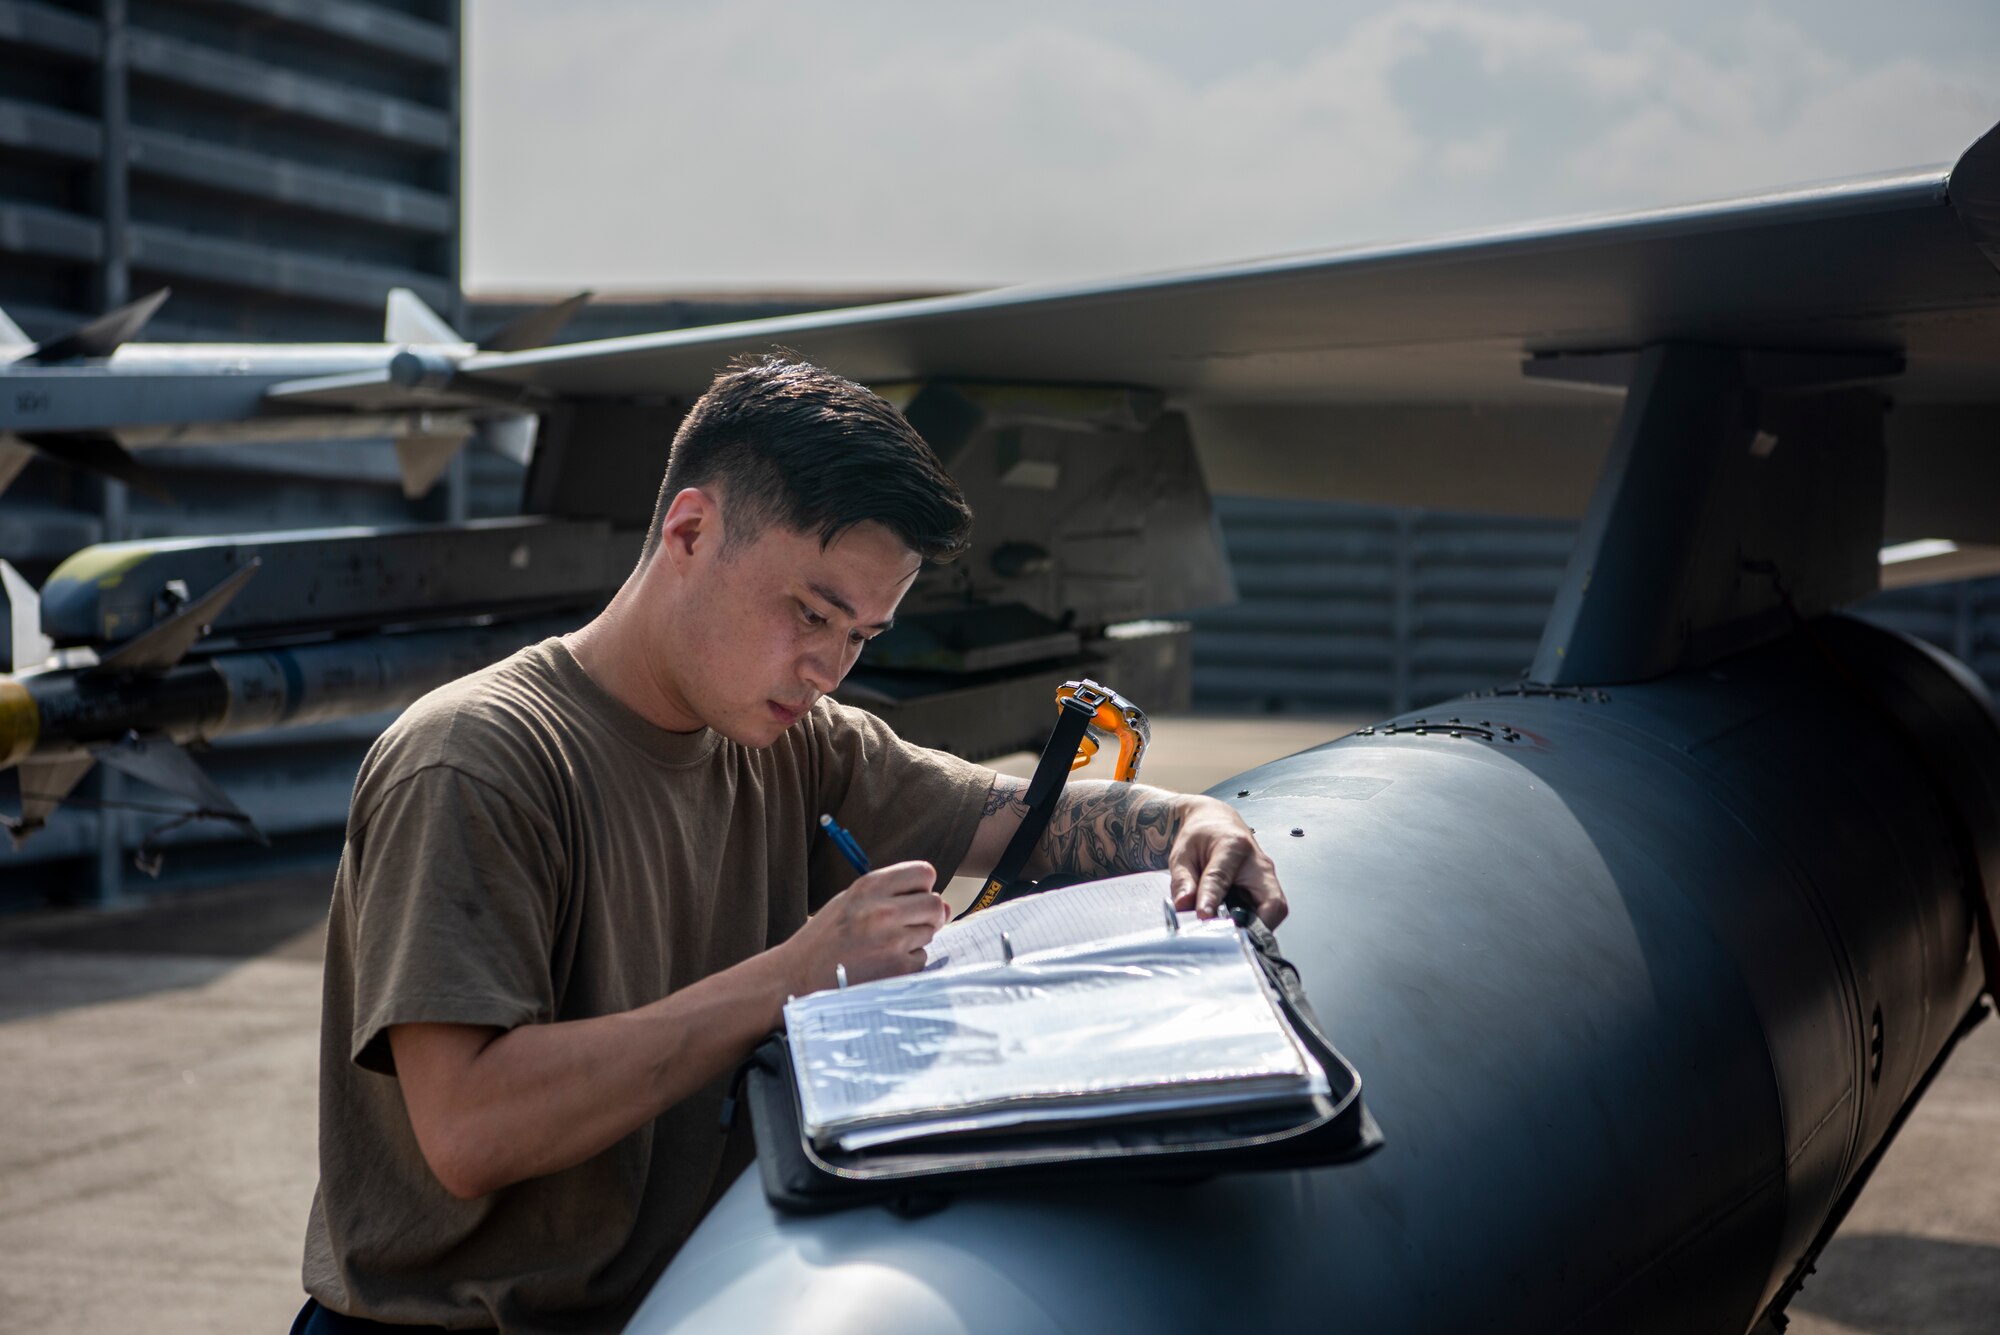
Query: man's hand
[(877, 927), (491, 1108), (1102, 828), (1214, 850)]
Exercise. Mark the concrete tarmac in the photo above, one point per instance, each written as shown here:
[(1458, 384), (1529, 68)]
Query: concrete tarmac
[(157, 1116)]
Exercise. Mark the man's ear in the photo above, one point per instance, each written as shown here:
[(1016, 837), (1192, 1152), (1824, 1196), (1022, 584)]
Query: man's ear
[(693, 523)]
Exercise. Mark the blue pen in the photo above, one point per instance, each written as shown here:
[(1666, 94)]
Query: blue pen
[(844, 841)]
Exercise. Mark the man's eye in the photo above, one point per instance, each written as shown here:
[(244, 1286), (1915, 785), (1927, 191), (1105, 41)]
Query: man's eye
[(856, 637), (812, 618)]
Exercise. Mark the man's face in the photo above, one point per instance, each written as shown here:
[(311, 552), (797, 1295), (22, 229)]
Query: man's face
[(775, 622)]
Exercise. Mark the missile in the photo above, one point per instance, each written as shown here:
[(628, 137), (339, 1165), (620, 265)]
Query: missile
[(55, 724), (1642, 980), (92, 397), (62, 714), (116, 664)]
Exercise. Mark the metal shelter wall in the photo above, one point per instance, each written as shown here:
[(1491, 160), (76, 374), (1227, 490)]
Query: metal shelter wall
[(1348, 609), (280, 165)]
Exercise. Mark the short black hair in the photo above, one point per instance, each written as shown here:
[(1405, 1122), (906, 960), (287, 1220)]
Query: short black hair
[(793, 443)]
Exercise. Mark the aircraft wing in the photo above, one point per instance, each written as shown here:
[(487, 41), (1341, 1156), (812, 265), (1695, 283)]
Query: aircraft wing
[(1390, 374), (1902, 263), (1394, 374)]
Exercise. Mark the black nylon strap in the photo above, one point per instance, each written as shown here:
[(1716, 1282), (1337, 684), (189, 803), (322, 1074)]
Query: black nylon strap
[(1051, 773)]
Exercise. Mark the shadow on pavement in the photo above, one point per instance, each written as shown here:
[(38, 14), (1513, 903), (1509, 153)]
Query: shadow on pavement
[(57, 960), (1897, 1284)]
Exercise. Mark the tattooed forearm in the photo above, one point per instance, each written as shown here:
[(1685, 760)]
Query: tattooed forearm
[(1006, 794), (1102, 827)]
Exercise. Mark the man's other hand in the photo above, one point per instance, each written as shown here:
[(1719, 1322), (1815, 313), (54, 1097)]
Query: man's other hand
[(877, 927), (1213, 851)]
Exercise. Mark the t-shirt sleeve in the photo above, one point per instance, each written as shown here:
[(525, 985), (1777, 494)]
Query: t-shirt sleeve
[(456, 896), (900, 801)]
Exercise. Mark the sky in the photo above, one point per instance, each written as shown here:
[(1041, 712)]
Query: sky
[(699, 145)]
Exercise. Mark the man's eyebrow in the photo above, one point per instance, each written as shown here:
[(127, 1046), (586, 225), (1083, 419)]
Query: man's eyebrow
[(828, 595)]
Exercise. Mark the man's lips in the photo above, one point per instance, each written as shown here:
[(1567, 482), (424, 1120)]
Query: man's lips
[(787, 713)]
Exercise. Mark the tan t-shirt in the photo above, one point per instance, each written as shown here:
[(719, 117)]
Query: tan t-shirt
[(523, 849)]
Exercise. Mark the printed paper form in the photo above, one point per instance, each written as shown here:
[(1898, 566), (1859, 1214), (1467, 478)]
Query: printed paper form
[(1157, 1025), (1097, 911), (1139, 1104)]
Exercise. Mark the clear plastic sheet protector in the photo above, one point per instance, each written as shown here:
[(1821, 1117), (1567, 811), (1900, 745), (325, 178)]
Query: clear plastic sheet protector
[(1155, 1021)]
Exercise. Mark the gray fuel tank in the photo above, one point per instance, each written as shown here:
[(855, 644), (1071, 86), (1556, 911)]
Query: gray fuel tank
[(1636, 979)]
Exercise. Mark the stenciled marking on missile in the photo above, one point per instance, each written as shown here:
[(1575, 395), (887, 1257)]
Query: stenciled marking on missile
[(295, 681), (1344, 787)]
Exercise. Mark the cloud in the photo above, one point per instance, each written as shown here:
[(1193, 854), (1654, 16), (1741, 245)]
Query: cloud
[(769, 145)]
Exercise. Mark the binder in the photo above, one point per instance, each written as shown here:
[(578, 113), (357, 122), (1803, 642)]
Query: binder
[(808, 1165)]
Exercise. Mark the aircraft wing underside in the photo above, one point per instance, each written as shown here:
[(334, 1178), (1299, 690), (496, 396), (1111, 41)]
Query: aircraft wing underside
[(1900, 264), (1395, 374), (1391, 374)]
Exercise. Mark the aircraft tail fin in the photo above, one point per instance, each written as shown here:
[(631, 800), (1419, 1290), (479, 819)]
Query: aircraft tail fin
[(406, 319)]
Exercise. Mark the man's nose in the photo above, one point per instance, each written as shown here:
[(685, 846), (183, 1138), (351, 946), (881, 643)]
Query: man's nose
[(817, 673)]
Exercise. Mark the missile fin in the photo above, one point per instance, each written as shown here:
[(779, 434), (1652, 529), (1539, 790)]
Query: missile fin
[(14, 456), (11, 336), (102, 336), (536, 328), (96, 452), (406, 319), (164, 645), (24, 619), (44, 785), (511, 437), (161, 762), (423, 460)]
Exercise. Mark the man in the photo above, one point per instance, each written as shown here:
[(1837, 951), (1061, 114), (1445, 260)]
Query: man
[(576, 885)]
